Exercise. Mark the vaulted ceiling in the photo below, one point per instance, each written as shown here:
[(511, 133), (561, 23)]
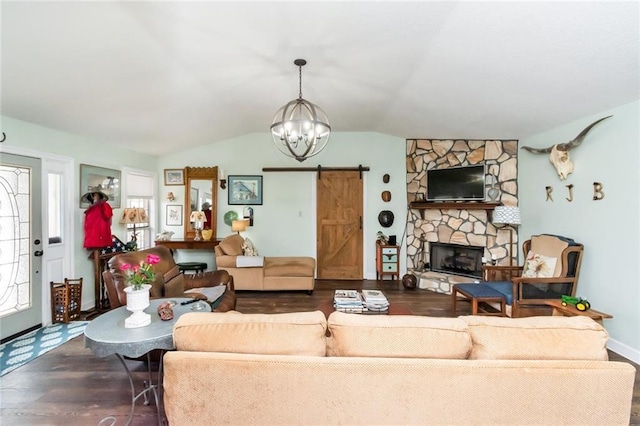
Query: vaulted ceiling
[(159, 77)]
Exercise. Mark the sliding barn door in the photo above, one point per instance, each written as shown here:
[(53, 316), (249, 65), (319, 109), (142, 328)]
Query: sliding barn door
[(339, 214)]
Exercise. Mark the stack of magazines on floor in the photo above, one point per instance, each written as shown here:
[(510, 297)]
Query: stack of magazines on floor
[(375, 301), (348, 301), (351, 301)]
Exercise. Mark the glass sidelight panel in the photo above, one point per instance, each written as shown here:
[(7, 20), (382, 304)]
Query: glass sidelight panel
[(15, 258)]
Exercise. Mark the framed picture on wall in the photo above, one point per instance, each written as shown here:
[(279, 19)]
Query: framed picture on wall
[(173, 177), (245, 190), (107, 181), (174, 215)]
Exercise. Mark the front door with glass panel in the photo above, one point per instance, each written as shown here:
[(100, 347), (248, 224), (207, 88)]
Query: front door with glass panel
[(20, 244)]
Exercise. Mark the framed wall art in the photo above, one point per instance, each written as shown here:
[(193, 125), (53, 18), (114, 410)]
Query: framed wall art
[(244, 190), (107, 181), (173, 177), (174, 215)]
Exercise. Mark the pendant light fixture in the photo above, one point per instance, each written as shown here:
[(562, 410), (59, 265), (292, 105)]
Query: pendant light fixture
[(300, 129)]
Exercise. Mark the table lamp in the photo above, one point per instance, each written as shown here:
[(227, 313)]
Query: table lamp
[(198, 218), (507, 215), (132, 216), (239, 225)]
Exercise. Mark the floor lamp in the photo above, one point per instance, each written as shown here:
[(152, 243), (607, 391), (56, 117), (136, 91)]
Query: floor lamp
[(507, 215)]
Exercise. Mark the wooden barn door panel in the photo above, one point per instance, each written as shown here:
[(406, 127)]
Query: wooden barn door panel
[(339, 205)]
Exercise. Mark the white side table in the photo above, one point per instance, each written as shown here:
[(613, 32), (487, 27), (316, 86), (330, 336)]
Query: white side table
[(106, 335)]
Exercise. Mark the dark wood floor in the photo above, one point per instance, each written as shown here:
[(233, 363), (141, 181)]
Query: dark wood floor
[(70, 386)]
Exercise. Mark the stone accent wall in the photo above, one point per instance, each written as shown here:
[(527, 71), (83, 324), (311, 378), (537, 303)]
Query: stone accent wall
[(464, 227)]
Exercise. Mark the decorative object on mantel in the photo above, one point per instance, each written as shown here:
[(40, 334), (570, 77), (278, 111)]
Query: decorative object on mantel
[(493, 192), (207, 234), (300, 129), (382, 238), (507, 215), (198, 219), (385, 218), (559, 153)]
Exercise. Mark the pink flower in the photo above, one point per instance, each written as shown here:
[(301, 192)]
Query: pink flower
[(135, 268), (125, 267), (153, 259)]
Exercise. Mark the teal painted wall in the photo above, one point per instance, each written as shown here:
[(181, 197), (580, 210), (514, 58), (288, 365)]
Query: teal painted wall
[(609, 228)]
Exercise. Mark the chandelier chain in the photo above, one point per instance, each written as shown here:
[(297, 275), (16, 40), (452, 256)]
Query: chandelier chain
[(300, 81)]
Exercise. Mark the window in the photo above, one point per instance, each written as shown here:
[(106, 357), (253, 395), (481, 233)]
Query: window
[(140, 194), (54, 206)]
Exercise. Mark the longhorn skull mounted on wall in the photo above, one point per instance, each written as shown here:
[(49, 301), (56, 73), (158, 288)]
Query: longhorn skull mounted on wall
[(559, 153)]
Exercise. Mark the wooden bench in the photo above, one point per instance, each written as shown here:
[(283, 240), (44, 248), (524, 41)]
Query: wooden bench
[(477, 294)]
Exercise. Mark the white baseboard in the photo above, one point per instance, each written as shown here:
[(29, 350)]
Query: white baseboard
[(624, 350)]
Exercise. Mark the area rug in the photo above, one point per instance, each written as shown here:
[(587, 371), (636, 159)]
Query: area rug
[(26, 348)]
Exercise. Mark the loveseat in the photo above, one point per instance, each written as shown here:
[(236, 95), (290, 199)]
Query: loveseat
[(264, 273), (169, 282), (301, 368)]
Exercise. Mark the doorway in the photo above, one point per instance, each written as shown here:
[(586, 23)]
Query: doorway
[(339, 225), (21, 243)]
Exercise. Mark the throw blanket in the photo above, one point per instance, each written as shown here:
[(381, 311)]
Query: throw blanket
[(212, 293), (249, 261)]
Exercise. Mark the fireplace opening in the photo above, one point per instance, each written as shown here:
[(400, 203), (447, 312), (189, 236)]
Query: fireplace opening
[(456, 259)]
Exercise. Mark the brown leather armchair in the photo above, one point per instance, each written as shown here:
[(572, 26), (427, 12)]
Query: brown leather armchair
[(170, 282)]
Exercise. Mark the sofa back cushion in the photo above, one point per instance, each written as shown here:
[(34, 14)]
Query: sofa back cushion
[(397, 336), (300, 333), (537, 338), (232, 245)]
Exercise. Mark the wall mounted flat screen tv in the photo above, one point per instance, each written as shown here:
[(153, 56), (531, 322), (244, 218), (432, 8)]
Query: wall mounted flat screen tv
[(464, 183)]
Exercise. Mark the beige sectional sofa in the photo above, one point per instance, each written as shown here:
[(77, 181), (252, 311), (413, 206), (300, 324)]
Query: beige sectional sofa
[(232, 368), (264, 273)]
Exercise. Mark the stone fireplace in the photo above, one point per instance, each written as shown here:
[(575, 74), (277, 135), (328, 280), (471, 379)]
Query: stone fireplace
[(461, 226), (456, 259)]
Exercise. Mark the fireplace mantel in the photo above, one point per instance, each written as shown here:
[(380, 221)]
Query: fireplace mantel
[(453, 205)]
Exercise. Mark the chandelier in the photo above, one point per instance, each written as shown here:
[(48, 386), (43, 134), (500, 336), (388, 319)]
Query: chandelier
[(300, 129)]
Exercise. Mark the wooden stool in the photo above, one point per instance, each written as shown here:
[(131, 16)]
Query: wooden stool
[(476, 294), (196, 267)]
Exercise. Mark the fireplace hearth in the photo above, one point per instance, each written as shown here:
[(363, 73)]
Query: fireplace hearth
[(456, 259)]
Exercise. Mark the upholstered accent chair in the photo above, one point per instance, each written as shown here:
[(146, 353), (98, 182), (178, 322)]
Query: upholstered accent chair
[(551, 269), (170, 282)]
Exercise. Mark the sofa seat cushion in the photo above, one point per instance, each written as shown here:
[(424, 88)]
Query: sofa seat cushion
[(537, 338), (300, 333), (503, 287), (224, 262), (289, 266), (397, 336)]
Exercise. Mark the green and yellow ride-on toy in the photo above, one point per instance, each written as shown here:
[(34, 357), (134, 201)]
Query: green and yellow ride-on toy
[(580, 303)]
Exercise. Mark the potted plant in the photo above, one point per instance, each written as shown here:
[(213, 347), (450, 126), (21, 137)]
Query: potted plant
[(138, 279)]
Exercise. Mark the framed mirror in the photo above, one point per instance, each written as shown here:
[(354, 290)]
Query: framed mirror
[(201, 187)]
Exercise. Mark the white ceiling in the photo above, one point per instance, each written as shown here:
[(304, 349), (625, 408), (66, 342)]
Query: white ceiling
[(160, 77)]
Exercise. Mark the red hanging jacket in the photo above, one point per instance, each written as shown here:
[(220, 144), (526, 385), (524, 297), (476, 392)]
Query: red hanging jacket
[(97, 225)]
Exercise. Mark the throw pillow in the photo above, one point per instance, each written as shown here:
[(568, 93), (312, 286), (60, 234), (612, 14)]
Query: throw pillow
[(248, 248), (232, 245), (539, 266)]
